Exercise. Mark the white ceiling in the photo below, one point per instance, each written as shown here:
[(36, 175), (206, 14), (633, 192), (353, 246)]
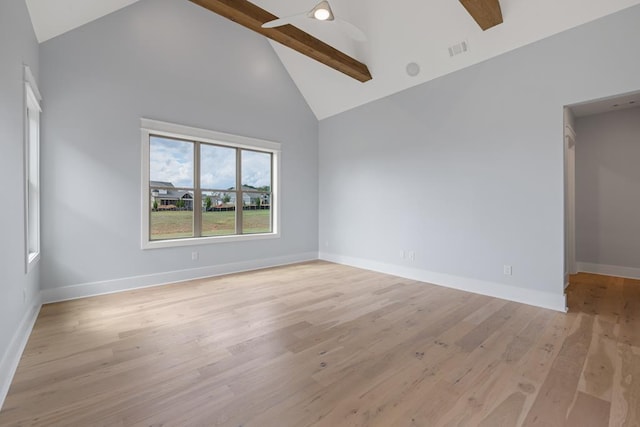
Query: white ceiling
[(51, 18), (399, 32)]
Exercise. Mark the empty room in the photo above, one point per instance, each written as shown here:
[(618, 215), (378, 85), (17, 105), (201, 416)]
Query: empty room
[(320, 213)]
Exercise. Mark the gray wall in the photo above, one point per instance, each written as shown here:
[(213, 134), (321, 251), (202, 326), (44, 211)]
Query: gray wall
[(608, 188), (467, 170), (18, 46), (172, 61)]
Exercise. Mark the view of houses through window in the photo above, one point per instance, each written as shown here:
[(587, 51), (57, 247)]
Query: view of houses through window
[(200, 189)]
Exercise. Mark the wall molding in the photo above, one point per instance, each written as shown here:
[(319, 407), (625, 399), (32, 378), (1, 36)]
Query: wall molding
[(609, 270), (13, 353), (547, 300), (158, 279)]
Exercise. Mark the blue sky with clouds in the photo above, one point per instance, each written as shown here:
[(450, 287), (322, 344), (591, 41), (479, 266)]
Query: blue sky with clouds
[(172, 161)]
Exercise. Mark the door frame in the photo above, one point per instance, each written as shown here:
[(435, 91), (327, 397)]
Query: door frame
[(570, 201)]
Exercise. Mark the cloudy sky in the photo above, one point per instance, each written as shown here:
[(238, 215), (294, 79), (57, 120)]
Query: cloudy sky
[(172, 161)]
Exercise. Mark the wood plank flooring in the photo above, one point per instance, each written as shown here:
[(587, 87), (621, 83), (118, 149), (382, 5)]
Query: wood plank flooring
[(319, 344)]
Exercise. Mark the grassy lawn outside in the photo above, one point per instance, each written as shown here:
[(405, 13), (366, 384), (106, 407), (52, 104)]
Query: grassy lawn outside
[(179, 224)]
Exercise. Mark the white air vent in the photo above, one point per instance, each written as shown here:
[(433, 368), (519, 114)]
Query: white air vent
[(459, 48)]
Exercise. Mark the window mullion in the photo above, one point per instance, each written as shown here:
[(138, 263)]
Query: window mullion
[(197, 194)]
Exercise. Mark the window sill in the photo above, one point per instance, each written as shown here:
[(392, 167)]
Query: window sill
[(158, 244)]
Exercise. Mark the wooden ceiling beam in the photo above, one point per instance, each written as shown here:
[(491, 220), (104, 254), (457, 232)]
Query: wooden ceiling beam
[(251, 16), (487, 13)]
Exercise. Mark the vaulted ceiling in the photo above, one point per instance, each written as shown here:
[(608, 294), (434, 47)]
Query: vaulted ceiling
[(398, 32)]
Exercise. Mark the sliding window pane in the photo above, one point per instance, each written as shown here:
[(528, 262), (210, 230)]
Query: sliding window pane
[(171, 215), (256, 214), (217, 167), (256, 171), (170, 182), (218, 213), (170, 162)]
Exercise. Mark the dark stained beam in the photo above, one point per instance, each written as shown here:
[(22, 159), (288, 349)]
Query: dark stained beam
[(251, 16), (487, 13)]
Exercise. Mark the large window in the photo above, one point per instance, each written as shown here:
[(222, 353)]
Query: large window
[(32, 169), (201, 186)]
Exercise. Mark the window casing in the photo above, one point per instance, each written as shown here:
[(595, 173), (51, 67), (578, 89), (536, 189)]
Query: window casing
[(201, 186), (32, 112)]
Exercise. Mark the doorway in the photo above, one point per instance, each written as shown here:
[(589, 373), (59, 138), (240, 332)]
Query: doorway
[(601, 147)]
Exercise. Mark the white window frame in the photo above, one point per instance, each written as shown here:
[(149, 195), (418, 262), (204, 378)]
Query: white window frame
[(32, 109), (170, 130)]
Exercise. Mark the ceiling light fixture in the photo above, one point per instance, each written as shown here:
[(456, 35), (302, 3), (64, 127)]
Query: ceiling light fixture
[(322, 12)]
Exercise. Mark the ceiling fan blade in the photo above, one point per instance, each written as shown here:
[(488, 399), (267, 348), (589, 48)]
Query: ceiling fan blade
[(352, 31), (282, 21)]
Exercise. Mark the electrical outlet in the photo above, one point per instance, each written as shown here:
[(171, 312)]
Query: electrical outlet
[(412, 255), (194, 255), (507, 270), (403, 255)]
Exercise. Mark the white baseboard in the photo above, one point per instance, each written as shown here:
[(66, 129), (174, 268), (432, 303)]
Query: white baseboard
[(512, 293), (13, 353), (11, 356), (609, 270), (128, 283)]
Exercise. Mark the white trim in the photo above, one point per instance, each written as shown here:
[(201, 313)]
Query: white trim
[(31, 151), (28, 78), (159, 279), (609, 270), (154, 127), (157, 244), (13, 353), (498, 290), (32, 259), (275, 193), (179, 131), (569, 131), (570, 201)]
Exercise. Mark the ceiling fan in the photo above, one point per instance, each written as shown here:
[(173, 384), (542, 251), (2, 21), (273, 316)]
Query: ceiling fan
[(321, 12)]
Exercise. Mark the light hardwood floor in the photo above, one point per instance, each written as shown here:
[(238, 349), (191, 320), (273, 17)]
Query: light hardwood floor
[(319, 344)]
